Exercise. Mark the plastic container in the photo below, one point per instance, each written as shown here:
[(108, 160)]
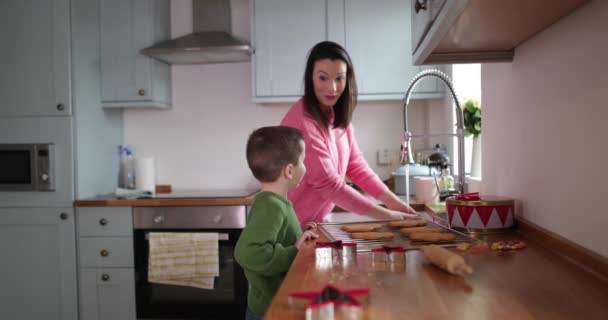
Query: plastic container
[(416, 170)]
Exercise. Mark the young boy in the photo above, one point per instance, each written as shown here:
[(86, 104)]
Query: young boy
[(273, 234)]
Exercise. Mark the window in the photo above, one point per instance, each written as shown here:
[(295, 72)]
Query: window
[(466, 79)]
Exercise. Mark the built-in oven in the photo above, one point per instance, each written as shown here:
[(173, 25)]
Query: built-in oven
[(27, 167), (227, 299)]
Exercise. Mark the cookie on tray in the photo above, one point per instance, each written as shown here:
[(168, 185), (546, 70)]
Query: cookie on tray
[(362, 227), (421, 229), (372, 235), (432, 236), (407, 223)]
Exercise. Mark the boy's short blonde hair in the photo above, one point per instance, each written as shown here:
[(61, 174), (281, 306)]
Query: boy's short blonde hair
[(269, 149)]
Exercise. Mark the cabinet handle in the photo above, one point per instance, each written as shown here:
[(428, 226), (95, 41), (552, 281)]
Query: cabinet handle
[(420, 5), (60, 107), (63, 216), (104, 253), (105, 277), (141, 92), (103, 221)]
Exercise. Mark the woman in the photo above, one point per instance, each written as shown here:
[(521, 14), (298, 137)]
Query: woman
[(324, 117)]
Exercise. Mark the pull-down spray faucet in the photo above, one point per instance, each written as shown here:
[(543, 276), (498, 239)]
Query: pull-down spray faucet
[(407, 150)]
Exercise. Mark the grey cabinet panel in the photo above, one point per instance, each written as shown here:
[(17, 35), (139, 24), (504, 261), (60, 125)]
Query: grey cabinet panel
[(378, 39), (128, 78), (105, 221), (38, 269), (283, 33), (105, 252), (107, 294), (35, 55)]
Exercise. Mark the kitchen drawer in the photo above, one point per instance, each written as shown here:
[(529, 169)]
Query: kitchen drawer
[(105, 221), (106, 252), (107, 294)]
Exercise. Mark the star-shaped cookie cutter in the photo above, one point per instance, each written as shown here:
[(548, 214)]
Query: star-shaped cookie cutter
[(336, 250), (388, 254), (331, 303)]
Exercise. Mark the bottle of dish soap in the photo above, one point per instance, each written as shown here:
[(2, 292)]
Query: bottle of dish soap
[(446, 181), (128, 169)]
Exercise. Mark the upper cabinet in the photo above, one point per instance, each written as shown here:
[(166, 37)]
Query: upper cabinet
[(473, 31), (374, 32), (283, 32), (128, 78), (35, 55)]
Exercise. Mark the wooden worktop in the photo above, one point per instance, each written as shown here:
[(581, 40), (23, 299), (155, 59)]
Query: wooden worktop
[(174, 199), (533, 283)]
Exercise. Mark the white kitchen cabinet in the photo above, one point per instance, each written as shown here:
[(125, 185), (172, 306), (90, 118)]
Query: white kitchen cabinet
[(128, 78), (35, 55), (376, 35), (107, 275), (282, 33), (37, 272)]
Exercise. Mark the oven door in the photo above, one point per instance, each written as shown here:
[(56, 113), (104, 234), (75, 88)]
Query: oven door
[(227, 300)]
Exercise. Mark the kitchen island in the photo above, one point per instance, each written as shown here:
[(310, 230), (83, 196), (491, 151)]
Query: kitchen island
[(533, 283)]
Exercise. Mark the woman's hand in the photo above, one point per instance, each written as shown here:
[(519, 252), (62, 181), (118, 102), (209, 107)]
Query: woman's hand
[(392, 202), (382, 213), (306, 235)]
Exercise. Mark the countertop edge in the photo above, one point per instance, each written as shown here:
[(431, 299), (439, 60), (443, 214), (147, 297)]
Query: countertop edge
[(168, 202)]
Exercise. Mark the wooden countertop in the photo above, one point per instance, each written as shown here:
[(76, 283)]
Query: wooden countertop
[(533, 283), (174, 199)]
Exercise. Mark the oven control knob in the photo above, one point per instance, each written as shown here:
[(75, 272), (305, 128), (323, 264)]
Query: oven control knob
[(44, 177), (159, 219), (217, 219)]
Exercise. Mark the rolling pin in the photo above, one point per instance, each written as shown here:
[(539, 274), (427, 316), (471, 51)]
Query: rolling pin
[(446, 260)]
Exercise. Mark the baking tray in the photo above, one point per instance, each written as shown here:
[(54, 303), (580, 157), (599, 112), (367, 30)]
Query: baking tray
[(333, 231)]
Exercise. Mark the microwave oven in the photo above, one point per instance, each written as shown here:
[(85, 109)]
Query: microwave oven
[(27, 167)]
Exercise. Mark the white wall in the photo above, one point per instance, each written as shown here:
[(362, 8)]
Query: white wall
[(200, 142), (544, 127)]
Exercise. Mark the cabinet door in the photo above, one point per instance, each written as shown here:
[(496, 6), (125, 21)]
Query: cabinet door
[(128, 78), (283, 33), (35, 55), (378, 38), (107, 294), (38, 269)]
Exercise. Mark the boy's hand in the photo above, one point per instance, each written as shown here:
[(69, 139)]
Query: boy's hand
[(311, 226), (306, 235)]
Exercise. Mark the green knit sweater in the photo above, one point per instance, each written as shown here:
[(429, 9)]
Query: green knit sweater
[(266, 248)]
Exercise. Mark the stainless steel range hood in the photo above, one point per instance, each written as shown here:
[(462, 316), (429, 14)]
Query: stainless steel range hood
[(211, 41)]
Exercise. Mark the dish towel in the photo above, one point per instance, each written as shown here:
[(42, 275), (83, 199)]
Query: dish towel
[(180, 258)]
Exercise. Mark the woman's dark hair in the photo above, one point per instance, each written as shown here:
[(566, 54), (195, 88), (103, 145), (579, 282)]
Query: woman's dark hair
[(345, 105), (269, 149)]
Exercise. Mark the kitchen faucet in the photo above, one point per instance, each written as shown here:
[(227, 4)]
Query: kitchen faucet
[(406, 147)]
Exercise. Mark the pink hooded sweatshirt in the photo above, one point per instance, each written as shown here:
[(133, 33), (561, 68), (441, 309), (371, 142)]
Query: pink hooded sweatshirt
[(331, 154)]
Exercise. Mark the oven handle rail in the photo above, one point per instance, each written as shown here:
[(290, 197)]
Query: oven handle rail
[(220, 236)]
